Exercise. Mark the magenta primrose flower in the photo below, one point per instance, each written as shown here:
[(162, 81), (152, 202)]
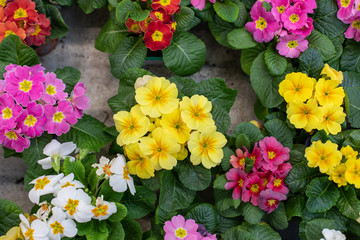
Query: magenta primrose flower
[(284, 168), (305, 5), (200, 4), (345, 9), (279, 7), (53, 89), (31, 120), (236, 178), (274, 153), (79, 100), (252, 188), (306, 29), (294, 18), (9, 111), (12, 139), (25, 84), (263, 25), (179, 229), (59, 118), (277, 184), (353, 30), (292, 45), (269, 200)]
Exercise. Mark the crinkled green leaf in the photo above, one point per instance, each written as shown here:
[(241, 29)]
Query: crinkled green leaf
[(140, 204), (300, 176), (204, 214), (278, 218), (240, 38), (251, 213), (350, 59), (280, 131), (70, 76), (184, 18), (76, 168), (314, 228), (9, 215), (249, 55), (110, 36), (322, 43), (311, 62), (274, 61), (195, 178), (352, 106), (348, 203), (58, 27), (220, 29), (88, 6)]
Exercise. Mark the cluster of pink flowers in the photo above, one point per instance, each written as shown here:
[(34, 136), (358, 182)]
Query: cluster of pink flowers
[(180, 229), (264, 184), (349, 13), (288, 20), (32, 101)]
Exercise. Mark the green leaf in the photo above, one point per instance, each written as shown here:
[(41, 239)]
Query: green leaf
[(123, 10), (64, 2), (130, 53), (161, 215), (322, 43), (349, 204), (240, 38), (249, 55), (352, 106), (297, 154), (121, 212), (110, 36), (58, 27), (225, 163), (276, 63), (184, 18), (190, 174), (243, 14), (280, 131), (221, 118), (123, 101), (354, 227), (227, 10), (204, 214), (174, 195), (70, 76), (314, 227), (278, 217), (140, 204), (109, 194), (261, 231), (98, 232), (76, 168), (152, 183), (220, 29), (116, 232), (185, 86), (92, 180), (219, 182), (300, 176), (132, 229), (322, 195), (88, 6), (242, 141), (223, 199), (351, 79), (88, 161), (350, 59), (294, 206), (250, 130), (238, 233), (139, 14), (311, 62), (186, 54), (251, 213), (9, 215), (35, 152)]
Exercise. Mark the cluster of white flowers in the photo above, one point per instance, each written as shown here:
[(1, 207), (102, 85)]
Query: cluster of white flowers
[(332, 234)]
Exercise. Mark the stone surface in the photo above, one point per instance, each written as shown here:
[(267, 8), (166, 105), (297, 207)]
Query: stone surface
[(77, 50)]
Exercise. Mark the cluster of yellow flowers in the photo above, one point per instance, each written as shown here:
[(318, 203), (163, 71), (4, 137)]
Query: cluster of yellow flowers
[(157, 130), (342, 166), (315, 104)]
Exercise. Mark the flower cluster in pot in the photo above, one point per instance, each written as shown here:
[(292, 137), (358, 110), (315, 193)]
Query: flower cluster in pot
[(19, 17), (160, 129), (349, 13), (288, 21), (32, 102)]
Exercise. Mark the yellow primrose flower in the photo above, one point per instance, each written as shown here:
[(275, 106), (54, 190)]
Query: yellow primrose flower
[(332, 73), (154, 123), (304, 115), (195, 112), (160, 148), (327, 91), (13, 234), (183, 153), (349, 153), (296, 86), (323, 155), (332, 117), (352, 173), (338, 175), (176, 126), (131, 126), (159, 96), (139, 163), (206, 147)]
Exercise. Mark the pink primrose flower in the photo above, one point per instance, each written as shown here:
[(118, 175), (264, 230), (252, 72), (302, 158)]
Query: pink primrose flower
[(59, 118), (266, 176), (256, 156), (236, 177), (292, 45), (53, 89), (25, 84), (13, 140), (263, 25), (306, 29), (238, 161), (269, 200), (305, 5), (274, 153), (79, 100), (356, 8), (283, 168), (354, 30), (294, 18), (179, 229), (2, 86), (9, 111), (200, 4), (277, 184), (345, 9), (279, 7), (32, 120), (252, 189)]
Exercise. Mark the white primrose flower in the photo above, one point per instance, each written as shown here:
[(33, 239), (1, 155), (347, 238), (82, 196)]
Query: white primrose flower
[(103, 209), (142, 81), (103, 167), (75, 202), (56, 151), (43, 212), (68, 181), (44, 185), (60, 226), (121, 179), (37, 230), (332, 234)]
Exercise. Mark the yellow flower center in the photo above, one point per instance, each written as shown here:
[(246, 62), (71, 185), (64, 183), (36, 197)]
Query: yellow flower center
[(277, 182), (281, 9), (241, 161), (126, 174), (41, 183), (255, 188), (158, 149), (356, 172), (58, 117), (271, 202), (37, 30), (159, 16), (11, 135), (2, 3), (358, 7), (292, 44), (67, 184), (29, 233), (345, 3), (9, 32), (135, 27), (240, 182), (71, 206), (180, 233), (271, 155), (30, 121), (57, 228), (261, 24), (100, 210), (106, 169), (20, 13), (157, 36), (322, 157), (7, 113), (165, 2), (265, 182), (356, 24), (25, 86), (50, 89), (253, 157), (173, 25), (294, 18)]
